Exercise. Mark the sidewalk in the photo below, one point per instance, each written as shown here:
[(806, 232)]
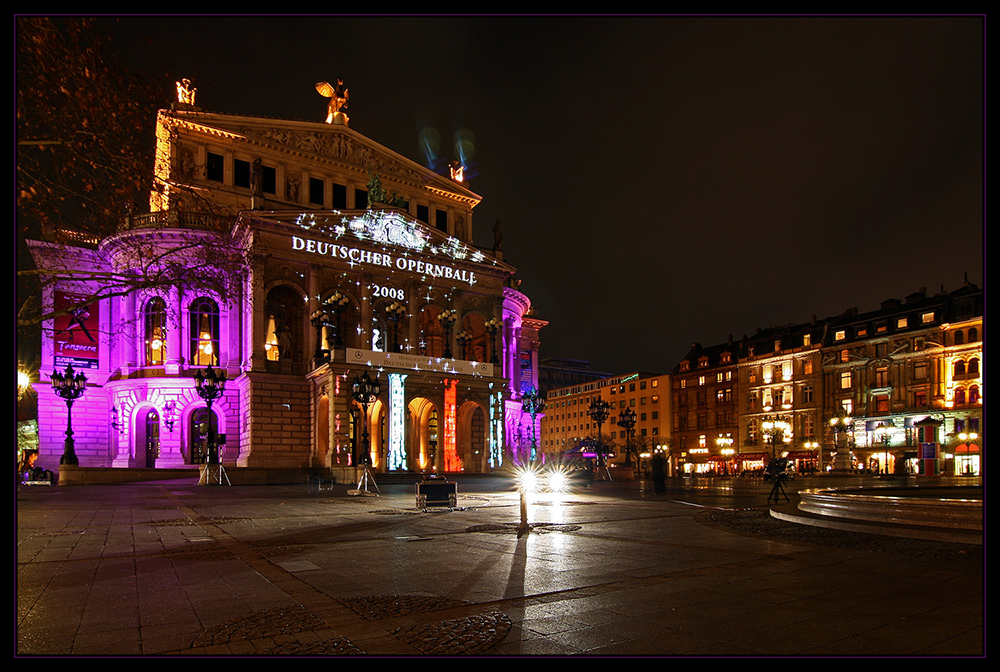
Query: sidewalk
[(171, 568)]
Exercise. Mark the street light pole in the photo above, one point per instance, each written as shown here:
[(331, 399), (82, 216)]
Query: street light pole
[(626, 419), (365, 392), (70, 386), (533, 403), (599, 411), (210, 387)]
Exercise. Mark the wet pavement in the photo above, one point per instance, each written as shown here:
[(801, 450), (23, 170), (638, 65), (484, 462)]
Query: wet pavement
[(172, 568)]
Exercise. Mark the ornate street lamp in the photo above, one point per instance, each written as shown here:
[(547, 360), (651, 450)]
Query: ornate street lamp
[(365, 392), (725, 445), (463, 338), (599, 411), (492, 327), (626, 419), (320, 318), (447, 319), (210, 385), (776, 428), (533, 404), (70, 386), (842, 458), (395, 312)]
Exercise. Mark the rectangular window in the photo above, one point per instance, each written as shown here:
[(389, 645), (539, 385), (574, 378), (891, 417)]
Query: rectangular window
[(423, 214), (840, 335), (215, 168), (441, 220), (927, 318), (845, 380), (269, 180), (339, 197), (241, 173), (882, 403), (901, 323), (316, 191)]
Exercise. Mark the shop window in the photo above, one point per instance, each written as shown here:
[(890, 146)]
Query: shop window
[(204, 332), (156, 331)]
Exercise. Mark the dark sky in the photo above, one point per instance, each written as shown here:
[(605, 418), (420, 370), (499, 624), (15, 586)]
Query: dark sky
[(660, 181)]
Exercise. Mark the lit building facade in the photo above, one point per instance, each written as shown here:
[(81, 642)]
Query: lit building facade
[(336, 257), (898, 389), (910, 378), (568, 425), (705, 389)]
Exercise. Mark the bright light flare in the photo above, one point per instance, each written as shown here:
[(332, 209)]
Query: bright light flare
[(559, 480), (528, 480)]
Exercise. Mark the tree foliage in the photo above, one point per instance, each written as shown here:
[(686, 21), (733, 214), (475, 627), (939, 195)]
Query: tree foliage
[(84, 127)]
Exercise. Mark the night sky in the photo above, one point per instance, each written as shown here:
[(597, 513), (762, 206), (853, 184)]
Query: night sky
[(659, 181)]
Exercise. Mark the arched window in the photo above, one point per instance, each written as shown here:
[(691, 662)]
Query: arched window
[(974, 366), (960, 368), (155, 331), (959, 338), (204, 332), (973, 335), (432, 335), (960, 396), (974, 394), (283, 326)]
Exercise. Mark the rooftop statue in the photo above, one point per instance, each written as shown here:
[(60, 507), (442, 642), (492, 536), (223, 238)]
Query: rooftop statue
[(338, 100)]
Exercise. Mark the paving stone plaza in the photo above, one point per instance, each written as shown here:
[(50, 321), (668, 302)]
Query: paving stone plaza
[(171, 568)]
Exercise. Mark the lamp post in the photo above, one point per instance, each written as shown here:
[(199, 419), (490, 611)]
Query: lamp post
[(492, 327), (320, 318), (447, 320), (463, 337), (725, 445), (395, 312), (70, 386), (776, 428), (842, 458), (599, 411), (884, 436), (210, 385), (533, 403), (365, 392), (626, 419), (973, 438)]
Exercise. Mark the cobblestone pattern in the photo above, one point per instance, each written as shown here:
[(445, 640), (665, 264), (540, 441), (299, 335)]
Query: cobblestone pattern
[(299, 632), (760, 523), (459, 636), (268, 623)]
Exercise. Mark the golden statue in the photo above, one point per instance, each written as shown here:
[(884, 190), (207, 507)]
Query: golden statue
[(185, 93), (338, 101)]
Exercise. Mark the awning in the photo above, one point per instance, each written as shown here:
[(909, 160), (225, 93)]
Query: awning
[(801, 454), (750, 457)]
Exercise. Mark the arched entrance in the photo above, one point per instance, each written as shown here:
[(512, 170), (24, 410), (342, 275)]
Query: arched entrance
[(472, 436), (423, 435), (198, 431), (151, 447)]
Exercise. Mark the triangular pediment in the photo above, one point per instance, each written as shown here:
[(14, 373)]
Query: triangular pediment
[(321, 144)]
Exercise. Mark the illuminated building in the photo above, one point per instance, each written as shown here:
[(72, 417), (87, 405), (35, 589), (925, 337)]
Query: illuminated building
[(908, 379), (780, 378), (567, 424), (704, 385), (910, 375), (344, 257)]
